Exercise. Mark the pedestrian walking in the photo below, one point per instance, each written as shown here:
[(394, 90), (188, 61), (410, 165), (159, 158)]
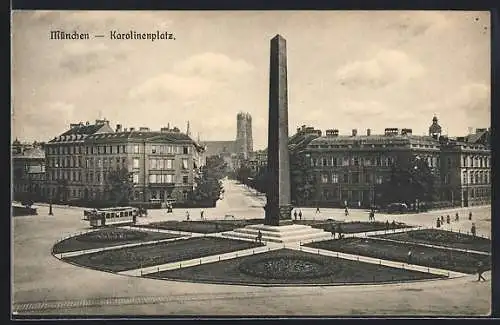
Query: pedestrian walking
[(333, 231), (259, 237), (346, 211), (300, 214), (201, 214), (393, 224), (442, 219), (359, 204), (470, 215), (473, 230), (295, 214), (480, 271), (410, 253), (448, 219), (438, 223), (339, 231), (457, 218), (387, 225), (317, 210), (187, 215)]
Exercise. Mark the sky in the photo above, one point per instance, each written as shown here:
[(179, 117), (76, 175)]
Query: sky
[(346, 70)]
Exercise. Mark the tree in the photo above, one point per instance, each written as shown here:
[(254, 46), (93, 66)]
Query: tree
[(208, 183), (408, 184), (302, 185), (119, 186), (243, 174)]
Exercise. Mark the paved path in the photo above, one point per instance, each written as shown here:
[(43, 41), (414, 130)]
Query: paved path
[(108, 248), (433, 246), (198, 261), (44, 285), (379, 261)]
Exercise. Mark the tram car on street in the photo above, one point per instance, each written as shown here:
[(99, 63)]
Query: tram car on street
[(112, 216)]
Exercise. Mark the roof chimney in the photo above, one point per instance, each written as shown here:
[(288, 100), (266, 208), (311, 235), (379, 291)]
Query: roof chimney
[(335, 132), (118, 128), (354, 132), (368, 132), (132, 129), (164, 130), (144, 129)]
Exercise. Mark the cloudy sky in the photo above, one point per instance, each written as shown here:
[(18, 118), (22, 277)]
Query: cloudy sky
[(345, 70)]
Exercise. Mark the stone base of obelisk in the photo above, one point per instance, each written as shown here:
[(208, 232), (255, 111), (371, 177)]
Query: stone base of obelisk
[(279, 234)]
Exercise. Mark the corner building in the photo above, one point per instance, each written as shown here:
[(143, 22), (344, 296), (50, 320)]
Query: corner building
[(163, 164)]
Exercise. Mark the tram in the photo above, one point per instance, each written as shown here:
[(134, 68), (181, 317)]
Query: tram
[(111, 216)]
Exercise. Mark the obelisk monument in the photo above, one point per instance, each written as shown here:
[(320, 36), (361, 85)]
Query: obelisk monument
[(278, 208)]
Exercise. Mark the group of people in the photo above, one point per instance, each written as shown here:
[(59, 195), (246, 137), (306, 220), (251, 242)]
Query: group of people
[(441, 220), (299, 214)]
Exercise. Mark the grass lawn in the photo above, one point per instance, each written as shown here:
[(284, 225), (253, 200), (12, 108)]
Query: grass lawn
[(205, 227), (442, 238), (129, 258), (425, 256), (107, 237), (287, 266)]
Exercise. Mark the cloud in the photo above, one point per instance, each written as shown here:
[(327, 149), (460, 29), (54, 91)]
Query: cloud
[(415, 23), (194, 77), (387, 67), (163, 86), (46, 120), (81, 58), (212, 65)]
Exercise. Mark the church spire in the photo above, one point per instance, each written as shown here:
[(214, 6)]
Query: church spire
[(188, 131)]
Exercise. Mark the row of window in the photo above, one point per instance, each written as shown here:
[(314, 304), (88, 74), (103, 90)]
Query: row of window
[(478, 177), (116, 149), (160, 178), (477, 161), (350, 178), (351, 161), (163, 163)]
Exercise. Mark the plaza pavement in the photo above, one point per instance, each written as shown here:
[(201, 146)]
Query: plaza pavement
[(44, 284)]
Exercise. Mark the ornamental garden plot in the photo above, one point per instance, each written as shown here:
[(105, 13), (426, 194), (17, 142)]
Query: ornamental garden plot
[(442, 238), (351, 227), (285, 266), (107, 237), (205, 227), (130, 258), (421, 255)]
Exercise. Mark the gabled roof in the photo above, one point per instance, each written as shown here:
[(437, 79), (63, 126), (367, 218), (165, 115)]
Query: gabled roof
[(479, 137)]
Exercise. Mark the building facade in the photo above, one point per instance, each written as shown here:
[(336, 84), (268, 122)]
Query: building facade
[(347, 169), (244, 140), (163, 165), (28, 172)]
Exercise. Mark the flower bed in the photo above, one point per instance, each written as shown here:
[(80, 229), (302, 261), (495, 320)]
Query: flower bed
[(107, 237), (285, 266), (205, 226), (351, 227), (394, 251), (129, 258), (442, 238)]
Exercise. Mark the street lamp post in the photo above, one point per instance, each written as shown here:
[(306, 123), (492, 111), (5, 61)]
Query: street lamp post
[(50, 205)]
